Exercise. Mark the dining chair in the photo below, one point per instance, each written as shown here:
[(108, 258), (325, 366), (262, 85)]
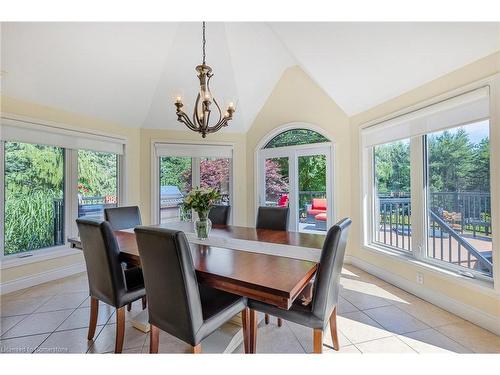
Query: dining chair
[(123, 217), (177, 304), (275, 218), (219, 214), (109, 281), (323, 306)]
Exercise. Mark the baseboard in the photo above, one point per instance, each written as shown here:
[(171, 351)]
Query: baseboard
[(42, 277), (467, 312)]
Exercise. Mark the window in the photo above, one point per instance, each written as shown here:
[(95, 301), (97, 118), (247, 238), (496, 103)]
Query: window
[(295, 171), (97, 183), (294, 137), (459, 200), (34, 197), (392, 186), (427, 180), (184, 166), (51, 176)]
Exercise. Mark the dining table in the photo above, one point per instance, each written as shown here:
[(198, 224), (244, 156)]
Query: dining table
[(270, 266)]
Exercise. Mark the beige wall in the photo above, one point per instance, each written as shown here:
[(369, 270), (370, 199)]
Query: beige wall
[(148, 136), (487, 301), (73, 121), (297, 98)]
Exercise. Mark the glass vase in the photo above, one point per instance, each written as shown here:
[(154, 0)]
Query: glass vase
[(202, 225)]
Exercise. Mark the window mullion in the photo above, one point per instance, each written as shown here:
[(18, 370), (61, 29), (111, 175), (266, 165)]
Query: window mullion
[(417, 187), (2, 197), (71, 192)]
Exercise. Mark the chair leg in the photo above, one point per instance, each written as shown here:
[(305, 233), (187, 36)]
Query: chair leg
[(266, 318), (197, 349), (129, 307), (120, 329), (245, 320), (154, 338), (94, 311), (280, 322), (333, 329), (252, 340), (144, 303), (318, 341)]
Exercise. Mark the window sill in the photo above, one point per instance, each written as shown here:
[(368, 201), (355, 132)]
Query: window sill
[(482, 285), (11, 261)]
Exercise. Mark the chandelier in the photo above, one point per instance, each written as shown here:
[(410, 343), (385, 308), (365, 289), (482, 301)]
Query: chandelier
[(201, 114)]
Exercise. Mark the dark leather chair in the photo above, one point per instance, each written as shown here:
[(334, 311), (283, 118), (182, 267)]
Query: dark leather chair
[(323, 307), (109, 281), (123, 217), (275, 218), (176, 303), (219, 214)]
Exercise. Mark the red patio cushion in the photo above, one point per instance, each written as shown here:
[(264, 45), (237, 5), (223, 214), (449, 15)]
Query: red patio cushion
[(319, 204), (315, 212), (320, 217)]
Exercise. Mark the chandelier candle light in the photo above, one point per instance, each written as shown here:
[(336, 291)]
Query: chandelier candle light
[(201, 113)]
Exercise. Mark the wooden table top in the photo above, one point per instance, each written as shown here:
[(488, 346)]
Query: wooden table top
[(268, 278)]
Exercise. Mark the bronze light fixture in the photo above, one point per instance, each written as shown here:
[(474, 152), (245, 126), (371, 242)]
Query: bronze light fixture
[(201, 114)]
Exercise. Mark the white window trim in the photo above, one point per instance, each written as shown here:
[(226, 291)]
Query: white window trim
[(155, 171), (366, 196), (70, 185), (289, 151)]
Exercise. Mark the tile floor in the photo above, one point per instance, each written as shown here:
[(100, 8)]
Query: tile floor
[(374, 317)]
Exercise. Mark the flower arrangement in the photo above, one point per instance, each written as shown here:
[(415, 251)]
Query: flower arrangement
[(201, 200)]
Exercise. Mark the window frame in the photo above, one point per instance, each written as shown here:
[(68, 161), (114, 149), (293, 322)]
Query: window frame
[(419, 187), (70, 186)]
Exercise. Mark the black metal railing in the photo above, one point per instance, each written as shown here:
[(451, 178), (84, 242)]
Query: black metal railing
[(58, 221), (453, 218)]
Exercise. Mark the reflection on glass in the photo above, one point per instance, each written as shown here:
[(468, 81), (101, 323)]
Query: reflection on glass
[(214, 173)]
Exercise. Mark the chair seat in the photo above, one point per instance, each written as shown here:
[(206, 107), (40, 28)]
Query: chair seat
[(135, 286), (297, 313), (218, 307)]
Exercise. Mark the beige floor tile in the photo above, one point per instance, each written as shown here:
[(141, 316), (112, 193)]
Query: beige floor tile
[(428, 313), (22, 345), (395, 320), (366, 297), (21, 306), (305, 336), (359, 327), (431, 341), (349, 349), (63, 301), (38, 323), (385, 345), (72, 341), (105, 342), (8, 322), (472, 337), (80, 318)]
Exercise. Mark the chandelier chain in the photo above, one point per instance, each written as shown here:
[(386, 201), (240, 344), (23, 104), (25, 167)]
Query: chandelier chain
[(204, 42)]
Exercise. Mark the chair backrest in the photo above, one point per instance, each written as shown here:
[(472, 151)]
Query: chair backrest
[(123, 217), (170, 279), (275, 218), (219, 214), (101, 253), (327, 282)]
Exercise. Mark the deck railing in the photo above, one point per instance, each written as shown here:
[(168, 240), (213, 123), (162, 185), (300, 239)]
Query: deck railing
[(454, 218)]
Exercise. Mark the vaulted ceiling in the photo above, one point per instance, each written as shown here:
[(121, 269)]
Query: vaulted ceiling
[(130, 72)]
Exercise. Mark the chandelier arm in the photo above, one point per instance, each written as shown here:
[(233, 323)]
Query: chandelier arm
[(196, 118), (217, 126), (182, 117), (218, 108)]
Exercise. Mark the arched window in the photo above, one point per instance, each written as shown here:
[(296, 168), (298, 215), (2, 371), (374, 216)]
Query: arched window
[(294, 137)]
